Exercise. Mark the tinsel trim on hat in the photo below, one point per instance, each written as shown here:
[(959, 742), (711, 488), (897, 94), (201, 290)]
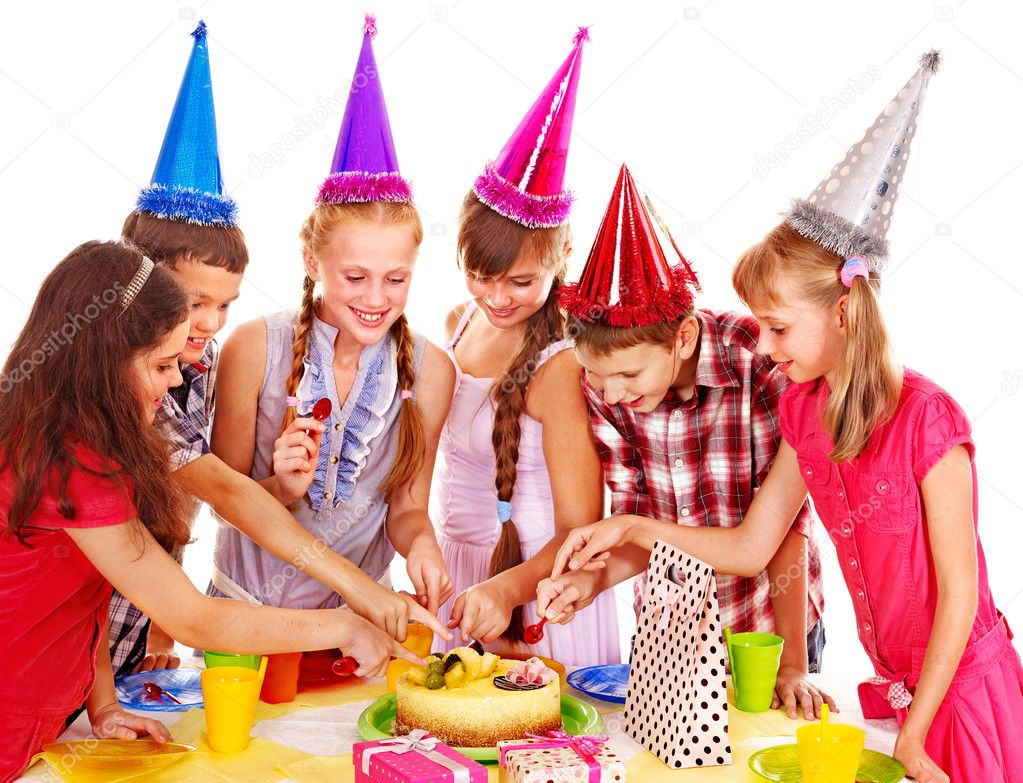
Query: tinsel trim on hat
[(669, 305), (930, 60), (351, 187), (530, 210), (188, 204), (837, 234)]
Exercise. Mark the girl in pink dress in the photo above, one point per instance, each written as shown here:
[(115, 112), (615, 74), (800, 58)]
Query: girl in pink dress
[(887, 457), (519, 465)]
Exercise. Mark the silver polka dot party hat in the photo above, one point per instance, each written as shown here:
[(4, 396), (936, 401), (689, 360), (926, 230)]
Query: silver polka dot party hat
[(850, 210)]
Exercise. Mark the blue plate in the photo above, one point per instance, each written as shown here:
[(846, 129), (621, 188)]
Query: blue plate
[(609, 682), (183, 683)]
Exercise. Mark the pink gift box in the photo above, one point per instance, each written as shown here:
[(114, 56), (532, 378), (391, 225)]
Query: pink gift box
[(533, 761), (428, 761)]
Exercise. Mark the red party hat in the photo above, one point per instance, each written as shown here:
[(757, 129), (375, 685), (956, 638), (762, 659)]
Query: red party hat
[(627, 280)]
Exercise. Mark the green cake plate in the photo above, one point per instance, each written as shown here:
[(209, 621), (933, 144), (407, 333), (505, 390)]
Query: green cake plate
[(377, 719)]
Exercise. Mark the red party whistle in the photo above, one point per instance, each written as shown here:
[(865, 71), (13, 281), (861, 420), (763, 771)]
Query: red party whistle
[(534, 633), (345, 666), (322, 409)]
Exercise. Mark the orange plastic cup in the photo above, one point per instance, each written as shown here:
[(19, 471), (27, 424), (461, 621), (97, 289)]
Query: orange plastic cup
[(396, 668), (419, 638), (280, 683)]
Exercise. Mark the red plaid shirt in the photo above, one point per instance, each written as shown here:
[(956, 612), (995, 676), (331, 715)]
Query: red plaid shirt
[(701, 461)]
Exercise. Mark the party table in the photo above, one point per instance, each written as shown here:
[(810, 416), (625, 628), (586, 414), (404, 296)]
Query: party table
[(310, 740)]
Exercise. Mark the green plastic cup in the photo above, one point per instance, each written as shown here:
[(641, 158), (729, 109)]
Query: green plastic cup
[(215, 659), (755, 658)]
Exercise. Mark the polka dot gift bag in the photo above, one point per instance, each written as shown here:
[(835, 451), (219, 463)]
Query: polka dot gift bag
[(677, 704)]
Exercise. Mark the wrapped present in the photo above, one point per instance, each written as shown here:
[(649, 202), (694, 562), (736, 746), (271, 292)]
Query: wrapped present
[(559, 758), (413, 758)]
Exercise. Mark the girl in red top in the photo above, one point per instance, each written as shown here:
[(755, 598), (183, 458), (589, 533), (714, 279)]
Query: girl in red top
[(85, 503)]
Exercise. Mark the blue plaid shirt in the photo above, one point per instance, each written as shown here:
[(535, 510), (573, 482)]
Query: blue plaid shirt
[(187, 411)]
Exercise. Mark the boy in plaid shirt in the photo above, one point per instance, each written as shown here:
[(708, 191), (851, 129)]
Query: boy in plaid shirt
[(684, 416)]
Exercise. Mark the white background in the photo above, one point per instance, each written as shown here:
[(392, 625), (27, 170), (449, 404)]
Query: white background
[(692, 98)]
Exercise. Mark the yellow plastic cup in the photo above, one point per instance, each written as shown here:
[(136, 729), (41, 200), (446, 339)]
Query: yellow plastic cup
[(829, 754), (229, 694)]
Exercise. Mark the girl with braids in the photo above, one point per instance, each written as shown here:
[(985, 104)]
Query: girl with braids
[(360, 482), (199, 242), (86, 502), (520, 467)]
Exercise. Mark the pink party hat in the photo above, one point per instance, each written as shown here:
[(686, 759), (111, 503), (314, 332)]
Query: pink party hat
[(527, 181)]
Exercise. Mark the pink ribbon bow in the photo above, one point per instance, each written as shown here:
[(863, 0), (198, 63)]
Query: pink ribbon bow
[(421, 742), (586, 747), (898, 696), (667, 600)]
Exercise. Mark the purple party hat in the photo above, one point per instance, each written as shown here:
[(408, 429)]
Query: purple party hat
[(365, 166)]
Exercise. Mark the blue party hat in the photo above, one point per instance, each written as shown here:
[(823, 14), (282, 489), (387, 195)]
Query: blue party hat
[(187, 184)]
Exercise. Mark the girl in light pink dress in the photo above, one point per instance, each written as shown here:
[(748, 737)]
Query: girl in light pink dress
[(519, 466), (470, 530)]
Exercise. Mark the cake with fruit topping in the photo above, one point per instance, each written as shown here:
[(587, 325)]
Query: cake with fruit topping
[(470, 700)]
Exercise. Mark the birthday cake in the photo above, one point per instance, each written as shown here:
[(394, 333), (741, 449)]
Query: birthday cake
[(473, 701)]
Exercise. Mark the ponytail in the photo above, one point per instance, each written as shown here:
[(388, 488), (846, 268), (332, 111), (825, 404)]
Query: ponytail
[(867, 381)]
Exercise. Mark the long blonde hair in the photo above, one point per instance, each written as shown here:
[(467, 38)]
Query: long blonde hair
[(315, 236), (867, 379), (488, 246)]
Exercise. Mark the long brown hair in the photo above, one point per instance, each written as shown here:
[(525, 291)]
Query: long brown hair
[(69, 380), (169, 241), (315, 235), (867, 380), (488, 246)]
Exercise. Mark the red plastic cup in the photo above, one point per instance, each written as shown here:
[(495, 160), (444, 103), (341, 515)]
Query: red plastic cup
[(280, 684)]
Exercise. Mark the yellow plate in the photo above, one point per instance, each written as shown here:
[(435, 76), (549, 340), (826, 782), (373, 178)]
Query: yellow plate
[(78, 760)]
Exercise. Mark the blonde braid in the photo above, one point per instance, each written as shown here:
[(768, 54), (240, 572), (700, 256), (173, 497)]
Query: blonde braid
[(302, 328), (411, 453)]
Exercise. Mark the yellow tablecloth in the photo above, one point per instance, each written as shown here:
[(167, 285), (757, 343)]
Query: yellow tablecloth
[(265, 761)]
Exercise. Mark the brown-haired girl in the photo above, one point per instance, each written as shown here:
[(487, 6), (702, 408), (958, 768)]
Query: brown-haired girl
[(86, 503), (362, 483), (520, 467)]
